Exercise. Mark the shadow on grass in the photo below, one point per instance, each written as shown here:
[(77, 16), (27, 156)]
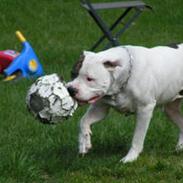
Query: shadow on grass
[(104, 155)]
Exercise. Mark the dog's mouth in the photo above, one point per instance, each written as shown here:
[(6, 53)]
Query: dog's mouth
[(94, 99), (90, 101)]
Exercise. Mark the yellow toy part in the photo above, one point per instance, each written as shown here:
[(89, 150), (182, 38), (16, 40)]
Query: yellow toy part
[(20, 36)]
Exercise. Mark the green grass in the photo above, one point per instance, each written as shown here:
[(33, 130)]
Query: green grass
[(31, 152)]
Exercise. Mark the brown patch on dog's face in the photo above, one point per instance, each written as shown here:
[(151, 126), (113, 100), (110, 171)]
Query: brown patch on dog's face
[(77, 66)]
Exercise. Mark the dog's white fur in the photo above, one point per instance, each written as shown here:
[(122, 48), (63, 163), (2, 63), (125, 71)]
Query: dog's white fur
[(130, 79)]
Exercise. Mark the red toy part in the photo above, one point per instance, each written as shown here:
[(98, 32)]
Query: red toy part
[(6, 57)]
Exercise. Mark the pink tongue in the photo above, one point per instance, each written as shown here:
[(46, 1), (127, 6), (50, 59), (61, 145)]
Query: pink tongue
[(92, 101)]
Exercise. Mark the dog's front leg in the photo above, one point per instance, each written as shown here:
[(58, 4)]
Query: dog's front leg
[(95, 113), (144, 114)]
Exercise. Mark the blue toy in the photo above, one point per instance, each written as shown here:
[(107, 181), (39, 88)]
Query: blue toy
[(26, 64)]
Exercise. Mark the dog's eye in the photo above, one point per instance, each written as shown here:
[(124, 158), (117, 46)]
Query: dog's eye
[(89, 79)]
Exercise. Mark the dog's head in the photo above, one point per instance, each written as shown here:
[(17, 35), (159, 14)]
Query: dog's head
[(98, 74)]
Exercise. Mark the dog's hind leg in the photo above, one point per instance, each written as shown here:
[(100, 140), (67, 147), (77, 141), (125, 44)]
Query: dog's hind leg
[(173, 111), (95, 113)]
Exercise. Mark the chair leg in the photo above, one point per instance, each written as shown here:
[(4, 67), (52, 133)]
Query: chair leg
[(131, 20), (107, 31), (104, 28), (126, 26), (114, 25)]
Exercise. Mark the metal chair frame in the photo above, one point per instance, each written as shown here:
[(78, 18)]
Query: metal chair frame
[(92, 9)]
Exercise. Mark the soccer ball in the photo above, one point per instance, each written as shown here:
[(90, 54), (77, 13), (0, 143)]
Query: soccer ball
[(49, 101)]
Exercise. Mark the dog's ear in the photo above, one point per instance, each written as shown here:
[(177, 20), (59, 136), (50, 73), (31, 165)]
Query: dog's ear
[(77, 66), (86, 53), (111, 65), (117, 70)]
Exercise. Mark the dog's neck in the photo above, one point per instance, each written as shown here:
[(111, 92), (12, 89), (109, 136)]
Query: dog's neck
[(129, 68), (118, 86)]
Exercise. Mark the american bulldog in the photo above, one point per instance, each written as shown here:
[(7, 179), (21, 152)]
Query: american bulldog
[(131, 79)]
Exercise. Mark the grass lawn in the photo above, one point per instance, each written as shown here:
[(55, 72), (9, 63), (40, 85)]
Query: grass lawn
[(31, 152)]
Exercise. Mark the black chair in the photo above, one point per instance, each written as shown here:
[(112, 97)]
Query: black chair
[(93, 8)]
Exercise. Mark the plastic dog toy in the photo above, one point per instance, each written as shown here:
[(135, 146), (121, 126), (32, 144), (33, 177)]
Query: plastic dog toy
[(6, 58), (26, 64)]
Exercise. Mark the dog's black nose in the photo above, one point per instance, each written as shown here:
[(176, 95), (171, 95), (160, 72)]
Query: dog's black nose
[(72, 91)]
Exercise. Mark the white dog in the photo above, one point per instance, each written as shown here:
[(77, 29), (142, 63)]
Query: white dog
[(129, 79)]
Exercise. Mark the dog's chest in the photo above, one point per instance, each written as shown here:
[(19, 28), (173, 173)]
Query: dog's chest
[(122, 102)]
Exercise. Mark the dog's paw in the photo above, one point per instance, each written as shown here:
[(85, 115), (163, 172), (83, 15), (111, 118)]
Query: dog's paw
[(179, 147), (84, 143), (130, 157)]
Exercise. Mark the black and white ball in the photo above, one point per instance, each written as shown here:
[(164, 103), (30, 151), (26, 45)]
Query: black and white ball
[(49, 101)]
